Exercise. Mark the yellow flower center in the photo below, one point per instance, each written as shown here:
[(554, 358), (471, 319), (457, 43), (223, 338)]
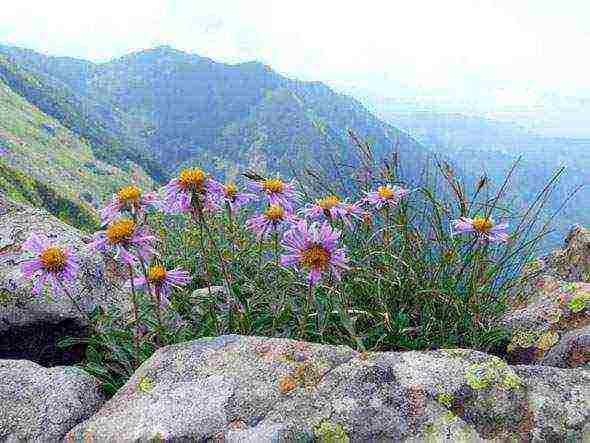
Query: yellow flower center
[(482, 224), (385, 192), (315, 257), (328, 203), (129, 195), (231, 190), (53, 259), (120, 231), (274, 185), (192, 179), (275, 213), (157, 274)]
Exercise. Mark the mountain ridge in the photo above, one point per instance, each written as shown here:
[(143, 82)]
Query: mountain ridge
[(176, 108)]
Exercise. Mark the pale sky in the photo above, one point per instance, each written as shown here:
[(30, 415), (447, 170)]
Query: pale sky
[(512, 51)]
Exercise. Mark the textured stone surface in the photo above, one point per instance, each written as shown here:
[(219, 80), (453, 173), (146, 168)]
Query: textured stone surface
[(42, 405), (20, 310), (572, 351), (553, 309), (235, 388)]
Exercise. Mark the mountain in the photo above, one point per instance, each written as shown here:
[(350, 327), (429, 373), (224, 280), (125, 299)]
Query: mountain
[(46, 164), (38, 79), (479, 145), (164, 109)]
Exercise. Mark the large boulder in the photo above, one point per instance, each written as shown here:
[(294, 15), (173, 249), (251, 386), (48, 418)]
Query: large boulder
[(42, 405), (551, 312), (235, 388), (30, 325)]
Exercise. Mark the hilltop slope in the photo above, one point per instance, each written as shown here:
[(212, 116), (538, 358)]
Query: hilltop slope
[(48, 165), (175, 109)]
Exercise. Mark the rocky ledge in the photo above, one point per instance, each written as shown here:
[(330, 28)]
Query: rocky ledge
[(30, 326), (235, 388), (550, 319)]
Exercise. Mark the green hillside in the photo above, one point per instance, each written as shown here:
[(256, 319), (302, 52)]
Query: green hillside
[(94, 120), (48, 165)]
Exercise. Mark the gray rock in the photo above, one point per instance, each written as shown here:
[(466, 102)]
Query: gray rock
[(21, 313), (236, 388), (551, 304), (42, 405), (572, 351), (260, 434)]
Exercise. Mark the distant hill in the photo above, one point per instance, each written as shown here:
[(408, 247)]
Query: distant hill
[(47, 165), (479, 145), (163, 109)]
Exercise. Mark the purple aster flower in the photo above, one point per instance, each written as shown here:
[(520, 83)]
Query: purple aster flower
[(354, 211), (129, 198), (4, 152), (386, 195), (211, 205), (180, 191), (52, 264), (277, 191), (163, 281), (270, 221), (484, 228), (313, 248), (330, 207), (121, 237), (229, 195)]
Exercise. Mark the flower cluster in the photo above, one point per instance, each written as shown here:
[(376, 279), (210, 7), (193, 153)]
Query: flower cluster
[(308, 237)]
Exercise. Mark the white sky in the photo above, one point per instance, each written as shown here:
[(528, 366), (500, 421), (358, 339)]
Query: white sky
[(511, 50)]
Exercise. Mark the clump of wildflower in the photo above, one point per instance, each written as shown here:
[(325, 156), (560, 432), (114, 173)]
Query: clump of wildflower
[(129, 198), (313, 249), (330, 207), (121, 237), (386, 196), (191, 183), (482, 227), (269, 221), (52, 264), (277, 191), (164, 280), (230, 195)]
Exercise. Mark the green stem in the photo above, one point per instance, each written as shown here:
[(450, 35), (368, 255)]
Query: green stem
[(159, 341), (305, 318), (276, 247), (78, 308), (196, 211), (136, 319), (231, 230), (228, 288)]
